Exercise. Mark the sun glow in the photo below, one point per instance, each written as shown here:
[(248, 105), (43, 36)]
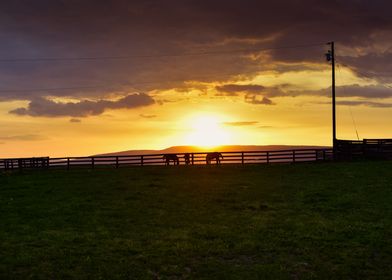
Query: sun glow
[(207, 131)]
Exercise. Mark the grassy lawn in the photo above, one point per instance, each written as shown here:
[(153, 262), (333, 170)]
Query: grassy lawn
[(304, 221)]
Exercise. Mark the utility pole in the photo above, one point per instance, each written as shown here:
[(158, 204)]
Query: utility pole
[(331, 57)]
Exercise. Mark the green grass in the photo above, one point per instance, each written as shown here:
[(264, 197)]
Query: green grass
[(304, 221)]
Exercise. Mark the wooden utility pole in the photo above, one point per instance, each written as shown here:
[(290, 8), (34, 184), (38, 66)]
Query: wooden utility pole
[(331, 57)]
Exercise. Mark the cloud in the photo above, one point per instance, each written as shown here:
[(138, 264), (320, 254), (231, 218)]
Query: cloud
[(135, 30), (73, 120), (235, 88), (147, 116), (371, 91), (253, 89), (252, 92), (48, 108), (258, 94), (23, 137), (265, 126), (374, 65), (257, 100), (378, 91), (226, 94), (241, 123), (364, 103)]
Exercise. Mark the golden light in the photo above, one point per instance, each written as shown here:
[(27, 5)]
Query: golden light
[(207, 132)]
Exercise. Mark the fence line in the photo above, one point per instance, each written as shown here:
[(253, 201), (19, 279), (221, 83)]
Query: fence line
[(366, 148), (240, 157)]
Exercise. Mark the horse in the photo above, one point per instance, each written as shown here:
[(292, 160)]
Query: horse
[(171, 157), (187, 158), (214, 155)]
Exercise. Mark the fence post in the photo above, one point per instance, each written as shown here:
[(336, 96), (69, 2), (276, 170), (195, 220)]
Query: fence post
[(293, 156), (141, 160), (242, 158), (68, 163), (116, 161), (193, 160), (324, 157), (268, 157), (92, 162)]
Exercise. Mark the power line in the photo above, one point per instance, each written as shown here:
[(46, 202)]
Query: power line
[(349, 107), (366, 75), (355, 125), (118, 85), (97, 58), (48, 89), (142, 56)]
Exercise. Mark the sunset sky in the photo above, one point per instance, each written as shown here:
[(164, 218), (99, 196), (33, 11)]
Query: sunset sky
[(88, 77)]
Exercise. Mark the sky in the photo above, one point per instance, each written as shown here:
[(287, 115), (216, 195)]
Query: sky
[(87, 77)]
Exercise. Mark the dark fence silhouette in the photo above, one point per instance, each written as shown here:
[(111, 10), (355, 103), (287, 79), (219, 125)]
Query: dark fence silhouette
[(248, 157), (363, 149)]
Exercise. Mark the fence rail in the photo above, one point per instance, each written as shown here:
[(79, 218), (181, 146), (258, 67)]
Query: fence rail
[(366, 148), (241, 157)]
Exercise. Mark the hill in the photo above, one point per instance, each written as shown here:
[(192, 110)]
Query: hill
[(228, 148), (297, 221)]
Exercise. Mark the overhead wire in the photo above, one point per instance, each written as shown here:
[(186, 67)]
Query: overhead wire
[(349, 107), (139, 57), (201, 53), (118, 85)]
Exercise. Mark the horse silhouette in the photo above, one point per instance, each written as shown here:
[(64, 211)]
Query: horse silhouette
[(171, 157), (187, 158), (212, 156)]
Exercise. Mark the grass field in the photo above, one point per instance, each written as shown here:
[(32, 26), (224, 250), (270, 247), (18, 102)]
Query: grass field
[(304, 221)]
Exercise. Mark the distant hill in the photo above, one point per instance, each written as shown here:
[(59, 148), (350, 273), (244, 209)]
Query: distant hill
[(229, 148)]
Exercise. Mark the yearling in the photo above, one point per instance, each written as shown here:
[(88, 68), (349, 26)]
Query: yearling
[(171, 157), (212, 156)]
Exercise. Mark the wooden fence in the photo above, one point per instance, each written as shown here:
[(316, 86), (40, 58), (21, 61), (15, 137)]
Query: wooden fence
[(248, 157), (363, 149)]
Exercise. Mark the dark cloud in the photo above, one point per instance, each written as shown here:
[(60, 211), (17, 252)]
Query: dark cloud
[(241, 123), (23, 137), (368, 91), (374, 65), (226, 94), (139, 29), (258, 100), (265, 126), (252, 92), (253, 89), (49, 108), (73, 120), (235, 88), (364, 103), (148, 116)]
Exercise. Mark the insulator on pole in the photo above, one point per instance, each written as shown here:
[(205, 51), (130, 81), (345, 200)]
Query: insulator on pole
[(328, 56)]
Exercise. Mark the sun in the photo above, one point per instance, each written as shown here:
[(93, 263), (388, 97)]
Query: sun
[(207, 131)]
